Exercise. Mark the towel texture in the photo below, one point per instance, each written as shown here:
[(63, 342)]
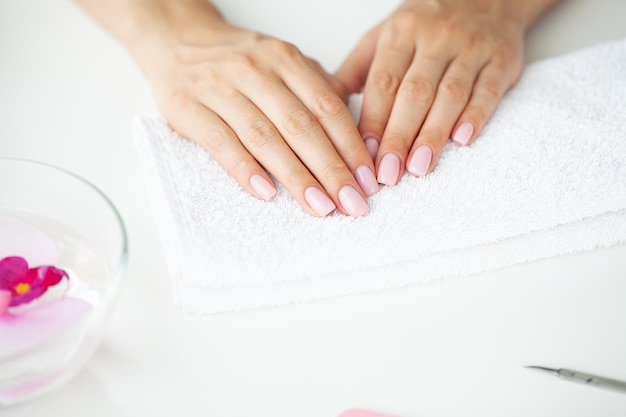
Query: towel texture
[(546, 177)]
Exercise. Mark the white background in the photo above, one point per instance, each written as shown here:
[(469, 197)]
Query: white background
[(456, 347)]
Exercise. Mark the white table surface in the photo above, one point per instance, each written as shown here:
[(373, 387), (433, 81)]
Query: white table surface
[(455, 347)]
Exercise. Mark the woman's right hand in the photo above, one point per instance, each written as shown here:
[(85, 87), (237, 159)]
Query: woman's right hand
[(258, 105)]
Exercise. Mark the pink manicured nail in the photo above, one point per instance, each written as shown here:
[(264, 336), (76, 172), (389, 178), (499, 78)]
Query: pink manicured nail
[(372, 146), (264, 188), (389, 169), (318, 201), (420, 161), (5, 300), (464, 133), (352, 201), (366, 179), (356, 412)]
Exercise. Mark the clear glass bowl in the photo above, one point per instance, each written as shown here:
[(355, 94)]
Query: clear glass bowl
[(49, 216)]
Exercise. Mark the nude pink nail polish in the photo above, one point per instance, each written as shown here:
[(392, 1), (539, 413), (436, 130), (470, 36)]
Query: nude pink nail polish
[(265, 189), (357, 412), (318, 201), (352, 201), (420, 161), (366, 179), (389, 169), (372, 146), (464, 133)]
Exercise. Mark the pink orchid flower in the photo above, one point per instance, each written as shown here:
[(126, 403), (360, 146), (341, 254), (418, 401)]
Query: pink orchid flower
[(23, 283)]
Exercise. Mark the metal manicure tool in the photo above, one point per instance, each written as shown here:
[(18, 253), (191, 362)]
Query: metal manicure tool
[(584, 378)]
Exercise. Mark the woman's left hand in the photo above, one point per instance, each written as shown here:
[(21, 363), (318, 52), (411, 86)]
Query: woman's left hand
[(434, 69)]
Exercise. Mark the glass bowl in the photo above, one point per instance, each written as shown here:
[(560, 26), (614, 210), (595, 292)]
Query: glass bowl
[(62, 227)]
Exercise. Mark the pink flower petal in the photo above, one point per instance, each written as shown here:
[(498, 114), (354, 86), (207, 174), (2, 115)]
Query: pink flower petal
[(22, 331), (49, 275), (5, 300)]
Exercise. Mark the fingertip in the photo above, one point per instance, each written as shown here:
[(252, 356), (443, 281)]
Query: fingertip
[(419, 163), (367, 180), (318, 201), (464, 133), (263, 187), (389, 169)]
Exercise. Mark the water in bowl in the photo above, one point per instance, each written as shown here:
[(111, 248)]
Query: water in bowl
[(43, 343)]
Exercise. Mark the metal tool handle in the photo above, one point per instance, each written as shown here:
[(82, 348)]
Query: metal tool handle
[(594, 380)]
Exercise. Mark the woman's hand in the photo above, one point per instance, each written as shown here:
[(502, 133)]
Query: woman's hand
[(255, 103), (435, 69)]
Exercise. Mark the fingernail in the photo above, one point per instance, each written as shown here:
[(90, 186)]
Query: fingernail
[(388, 169), (366, 179), (372, 146), (464, 133), (352, 201), (318, 201), (264, 188), (420, 161)]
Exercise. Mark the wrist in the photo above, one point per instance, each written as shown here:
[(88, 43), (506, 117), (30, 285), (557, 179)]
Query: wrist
[(167, 23)]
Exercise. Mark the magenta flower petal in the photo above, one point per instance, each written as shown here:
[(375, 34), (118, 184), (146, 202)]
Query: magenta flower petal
[(12, 269), (27, 284), (49, 275), (27, 297)]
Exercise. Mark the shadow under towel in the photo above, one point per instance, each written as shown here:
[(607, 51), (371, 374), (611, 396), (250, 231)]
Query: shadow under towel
[(546, 177)]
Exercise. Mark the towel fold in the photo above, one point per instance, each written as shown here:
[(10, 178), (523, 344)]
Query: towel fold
[(546, 177)]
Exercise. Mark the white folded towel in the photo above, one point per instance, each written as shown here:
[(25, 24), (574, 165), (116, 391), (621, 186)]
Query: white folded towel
[(546, 177)]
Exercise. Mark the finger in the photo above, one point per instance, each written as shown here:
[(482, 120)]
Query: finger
[(451, 98), (412, 103), (394, 53), (310, 100), (491, 84), (338, 127), (260, 138), (353, 71), (204, 127), (301, 138)]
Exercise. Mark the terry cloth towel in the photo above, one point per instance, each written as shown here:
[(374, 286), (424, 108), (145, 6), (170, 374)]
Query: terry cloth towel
[(546, 177)]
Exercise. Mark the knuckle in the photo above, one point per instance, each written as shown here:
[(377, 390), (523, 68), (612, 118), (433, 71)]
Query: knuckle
[(242, 61), (455, 89), (385, 82), (214, 140), (328, 105), (334, 171), (295, 178), (399, 140), (416, 90), (476, 114), (448, 28), (282, 48), (178, 100), (492, 88), (505, 52), (404, 21), (242, 167), (298, 123), (260, 134)]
